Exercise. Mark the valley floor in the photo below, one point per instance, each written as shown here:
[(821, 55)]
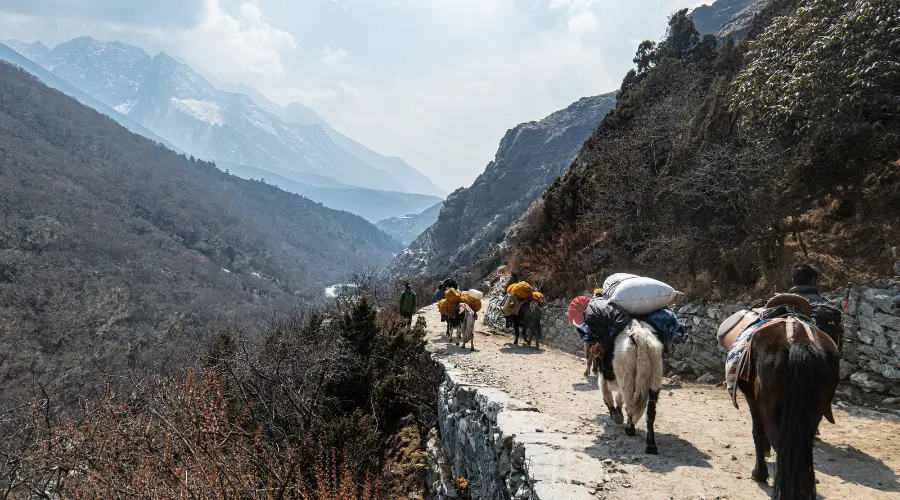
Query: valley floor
[(705, 444)]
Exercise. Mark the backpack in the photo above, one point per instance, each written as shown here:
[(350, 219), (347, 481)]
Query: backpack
[(666, 325), (450, 283), (829, 319)]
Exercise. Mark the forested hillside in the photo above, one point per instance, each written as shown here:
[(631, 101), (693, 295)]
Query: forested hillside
[(723, 164), (116, 252)]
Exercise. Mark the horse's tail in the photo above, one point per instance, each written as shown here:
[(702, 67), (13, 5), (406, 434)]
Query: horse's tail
[(807, 373), (641, 363)]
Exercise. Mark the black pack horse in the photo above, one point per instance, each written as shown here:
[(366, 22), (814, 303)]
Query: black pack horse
[(453, 321), (528, 321)]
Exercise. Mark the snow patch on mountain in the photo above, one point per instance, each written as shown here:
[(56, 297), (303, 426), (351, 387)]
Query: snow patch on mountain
[(125, 107), (205, 111)]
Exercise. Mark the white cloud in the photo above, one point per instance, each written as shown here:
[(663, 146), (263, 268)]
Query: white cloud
[(583, 22), (233, 46), (333, 57)]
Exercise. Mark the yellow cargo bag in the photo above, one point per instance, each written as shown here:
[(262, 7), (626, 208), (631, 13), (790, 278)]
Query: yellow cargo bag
[(445, 307), (452, 295), (537, 297), (521, 290), (473, 302)]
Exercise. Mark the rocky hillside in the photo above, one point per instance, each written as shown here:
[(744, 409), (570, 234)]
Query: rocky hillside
[(726, 17), (407, 228), (474, 219), (723, 164), (116, 252)]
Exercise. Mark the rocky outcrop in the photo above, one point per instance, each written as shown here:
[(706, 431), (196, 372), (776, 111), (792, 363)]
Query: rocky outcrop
[(870, 363), (474, 219), (727, 17)]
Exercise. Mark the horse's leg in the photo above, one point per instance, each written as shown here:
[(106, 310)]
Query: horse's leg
[(516, 330), (615, 411), (537, 334), (588, 360), (651, 418), (760, 438), (629, 424)]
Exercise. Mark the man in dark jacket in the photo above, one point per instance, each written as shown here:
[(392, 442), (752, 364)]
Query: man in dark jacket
[(806, 283), (828, 318), (605, 320), (408, 304)]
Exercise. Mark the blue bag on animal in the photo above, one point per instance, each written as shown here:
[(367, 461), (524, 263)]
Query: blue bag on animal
[(666, 324)]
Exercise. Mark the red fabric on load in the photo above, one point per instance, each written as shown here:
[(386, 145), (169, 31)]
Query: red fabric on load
[(576, 309)]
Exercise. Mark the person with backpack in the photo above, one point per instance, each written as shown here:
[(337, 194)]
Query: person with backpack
[(827, 318), (407, 304), (604, 320)]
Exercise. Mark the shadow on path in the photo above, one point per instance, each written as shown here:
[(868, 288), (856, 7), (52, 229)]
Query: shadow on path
[(674, 452), (519, 349), (590, 385), (867, 470)]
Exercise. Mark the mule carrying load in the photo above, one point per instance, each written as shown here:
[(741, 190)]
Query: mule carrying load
[(449, 306), (625, 296), (522, 311)]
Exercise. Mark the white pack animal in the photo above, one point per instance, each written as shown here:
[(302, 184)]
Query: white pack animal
[(465, 330), (638, 366)]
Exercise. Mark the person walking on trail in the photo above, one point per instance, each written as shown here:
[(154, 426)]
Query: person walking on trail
[(604, 321), (828, 318), (408, 304)]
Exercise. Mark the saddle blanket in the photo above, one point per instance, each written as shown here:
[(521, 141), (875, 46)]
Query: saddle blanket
[(735, 362)]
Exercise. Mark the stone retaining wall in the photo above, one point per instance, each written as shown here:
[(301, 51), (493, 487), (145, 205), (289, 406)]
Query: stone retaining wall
[(475, 441), (871, 358)]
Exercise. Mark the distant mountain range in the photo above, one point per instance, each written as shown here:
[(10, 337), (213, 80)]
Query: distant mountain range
[(173, 102), (406, 228)]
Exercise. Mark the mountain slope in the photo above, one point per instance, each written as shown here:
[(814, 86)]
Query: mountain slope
[(407, 228), (474, 219), (9, 55), (120, 252), (410, 179)]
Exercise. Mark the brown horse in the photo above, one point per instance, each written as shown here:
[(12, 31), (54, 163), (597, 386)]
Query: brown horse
[(791, 376)]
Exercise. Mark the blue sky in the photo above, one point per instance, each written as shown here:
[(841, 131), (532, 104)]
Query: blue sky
[(437, 83)]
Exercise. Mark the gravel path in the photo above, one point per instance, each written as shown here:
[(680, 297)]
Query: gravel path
[(705, 445)]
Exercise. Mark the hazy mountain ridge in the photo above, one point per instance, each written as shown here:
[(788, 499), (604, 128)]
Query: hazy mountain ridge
[(407, 228), (12, 56), (371, 204), (177, 103)]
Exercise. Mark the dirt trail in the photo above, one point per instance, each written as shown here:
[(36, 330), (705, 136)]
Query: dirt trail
[(705, 445)]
